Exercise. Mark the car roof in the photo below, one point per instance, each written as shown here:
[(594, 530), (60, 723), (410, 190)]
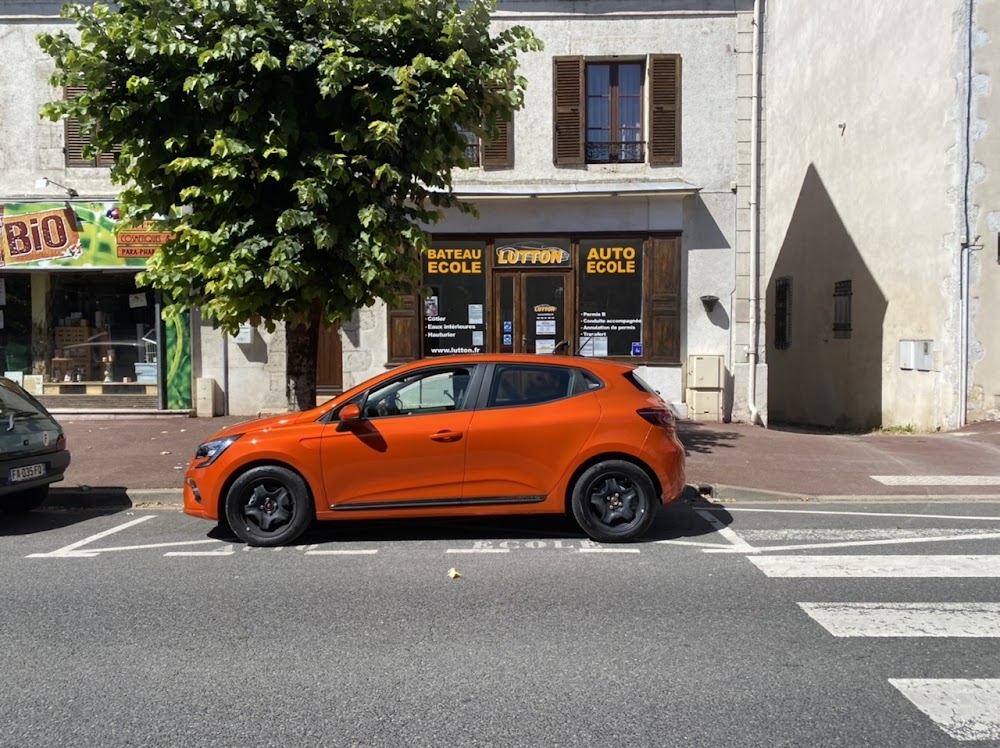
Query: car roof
[(583, 362)]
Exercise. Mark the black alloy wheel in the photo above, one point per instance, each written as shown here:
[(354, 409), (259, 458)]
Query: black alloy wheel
[(269, 506), (614, 501)]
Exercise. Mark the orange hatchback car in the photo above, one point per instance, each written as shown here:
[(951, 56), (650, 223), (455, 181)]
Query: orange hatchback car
[(447, 437)]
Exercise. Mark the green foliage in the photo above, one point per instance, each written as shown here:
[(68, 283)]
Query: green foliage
[(309, 140)]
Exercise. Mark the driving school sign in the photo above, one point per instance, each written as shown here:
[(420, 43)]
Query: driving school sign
[(71, 235)]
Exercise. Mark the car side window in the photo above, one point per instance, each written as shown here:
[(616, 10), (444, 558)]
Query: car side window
[(425, 392), (525, 384)]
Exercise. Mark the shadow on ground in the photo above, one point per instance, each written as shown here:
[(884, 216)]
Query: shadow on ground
[(676, 521), (699, 437)]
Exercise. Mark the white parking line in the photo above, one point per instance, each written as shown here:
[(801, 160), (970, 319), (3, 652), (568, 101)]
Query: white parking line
[(70, 551), (965, 709), (478, 550), (888, 515), (608, 550), (343, 552), (972, 620)]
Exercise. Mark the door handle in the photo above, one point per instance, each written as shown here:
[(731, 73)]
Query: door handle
[(446, 436)]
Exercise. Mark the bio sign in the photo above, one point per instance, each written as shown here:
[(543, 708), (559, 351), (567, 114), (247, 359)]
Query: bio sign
[(72, 235)]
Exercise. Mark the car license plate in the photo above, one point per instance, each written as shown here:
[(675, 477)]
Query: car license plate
[(26, 472)]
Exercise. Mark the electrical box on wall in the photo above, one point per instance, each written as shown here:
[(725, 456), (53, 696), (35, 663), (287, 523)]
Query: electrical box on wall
[(916, 354), (704, 372), (704, 405)]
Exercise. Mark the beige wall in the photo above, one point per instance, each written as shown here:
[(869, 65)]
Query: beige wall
[(864, 171)]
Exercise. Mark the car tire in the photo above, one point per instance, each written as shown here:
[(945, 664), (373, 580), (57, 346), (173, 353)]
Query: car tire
[(269, 506), (614, 502), (25, 501)]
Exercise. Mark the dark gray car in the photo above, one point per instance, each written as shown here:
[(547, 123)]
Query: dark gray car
[(33, 450)]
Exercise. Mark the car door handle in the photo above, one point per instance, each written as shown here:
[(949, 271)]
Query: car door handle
[(446, 436)]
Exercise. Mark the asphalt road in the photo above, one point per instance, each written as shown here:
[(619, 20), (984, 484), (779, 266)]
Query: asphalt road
[(147, 628)]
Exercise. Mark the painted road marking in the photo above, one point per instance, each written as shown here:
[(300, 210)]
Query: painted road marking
[(227, 551), (736, 542), (844, 534), (937, 480), (70, 551), (854, 543), (344, 552), (608, 550), (478, 550), (965, 709), (888, 515), (926, 567), (976, 620)]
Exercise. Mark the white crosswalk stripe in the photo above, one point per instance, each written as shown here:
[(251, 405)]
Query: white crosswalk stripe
[(965, 709), (978, 620), (879, 566)]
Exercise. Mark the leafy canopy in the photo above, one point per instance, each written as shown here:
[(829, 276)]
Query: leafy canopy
[(308, 140)]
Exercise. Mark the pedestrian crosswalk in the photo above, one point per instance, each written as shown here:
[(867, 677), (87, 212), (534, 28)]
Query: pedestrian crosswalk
[(966, 709)]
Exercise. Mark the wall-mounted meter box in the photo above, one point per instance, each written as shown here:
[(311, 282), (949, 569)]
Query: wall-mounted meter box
[(705, 372), (916, 354)]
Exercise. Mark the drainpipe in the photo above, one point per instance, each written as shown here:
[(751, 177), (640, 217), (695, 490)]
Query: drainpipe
[(967, 242), (754, 210)]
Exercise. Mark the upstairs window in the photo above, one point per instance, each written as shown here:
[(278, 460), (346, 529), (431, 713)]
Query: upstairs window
[(76, 142), (614, 112), (598, 110)]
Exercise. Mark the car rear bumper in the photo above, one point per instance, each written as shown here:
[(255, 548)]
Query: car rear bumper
[(55, 464)]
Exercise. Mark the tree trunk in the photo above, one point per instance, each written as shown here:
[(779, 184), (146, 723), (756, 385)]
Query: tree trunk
[(302, 344)]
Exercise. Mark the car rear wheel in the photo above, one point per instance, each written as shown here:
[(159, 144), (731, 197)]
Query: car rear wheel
[(614, 501), (269, 506), (24, 501)]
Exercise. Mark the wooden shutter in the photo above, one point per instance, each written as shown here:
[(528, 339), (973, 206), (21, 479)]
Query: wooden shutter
[(662, 313), (568, 117), (404, 331), (75, 142), (499, 154), (665, 109)]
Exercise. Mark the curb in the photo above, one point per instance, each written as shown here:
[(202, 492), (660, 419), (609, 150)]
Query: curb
[(112, 497)]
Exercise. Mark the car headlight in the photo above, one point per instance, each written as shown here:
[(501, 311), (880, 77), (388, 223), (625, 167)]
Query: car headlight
[(209, 451)]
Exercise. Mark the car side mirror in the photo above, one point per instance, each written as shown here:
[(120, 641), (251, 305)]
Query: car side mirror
[(348, 416)]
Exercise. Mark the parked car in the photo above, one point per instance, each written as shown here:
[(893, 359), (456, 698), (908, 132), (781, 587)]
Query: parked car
[(33, 450), (446, 437)]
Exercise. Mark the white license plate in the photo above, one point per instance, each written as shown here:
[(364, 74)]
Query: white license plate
[(27, 472)]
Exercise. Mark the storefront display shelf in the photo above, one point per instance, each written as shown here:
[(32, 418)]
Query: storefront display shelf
[(98, 388)]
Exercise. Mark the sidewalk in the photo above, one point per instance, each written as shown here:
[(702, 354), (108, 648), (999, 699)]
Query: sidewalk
[(127, 461)]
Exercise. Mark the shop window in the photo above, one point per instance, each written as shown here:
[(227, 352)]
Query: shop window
[(77, 142), (610, 297), (842, 294), (454, 306), (598, 110), (783, 313)]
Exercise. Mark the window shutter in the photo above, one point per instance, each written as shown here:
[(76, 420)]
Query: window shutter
[(404, 331), (568, 119), (75, 142), (665, 109), (662, 315), (499, 154)]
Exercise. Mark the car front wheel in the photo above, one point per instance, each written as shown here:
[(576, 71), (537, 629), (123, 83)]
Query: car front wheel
[(614, 501), (24, 501), (269, 506)]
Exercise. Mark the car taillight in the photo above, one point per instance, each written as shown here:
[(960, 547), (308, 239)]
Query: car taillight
[(658, 416), (60, 442)]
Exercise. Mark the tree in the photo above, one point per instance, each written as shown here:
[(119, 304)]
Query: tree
[(296, 149)]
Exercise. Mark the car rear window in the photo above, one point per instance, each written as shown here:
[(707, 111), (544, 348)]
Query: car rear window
[(639, 383), (15, 401)]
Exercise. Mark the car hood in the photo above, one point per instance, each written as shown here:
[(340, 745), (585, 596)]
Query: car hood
[(260, 424)]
